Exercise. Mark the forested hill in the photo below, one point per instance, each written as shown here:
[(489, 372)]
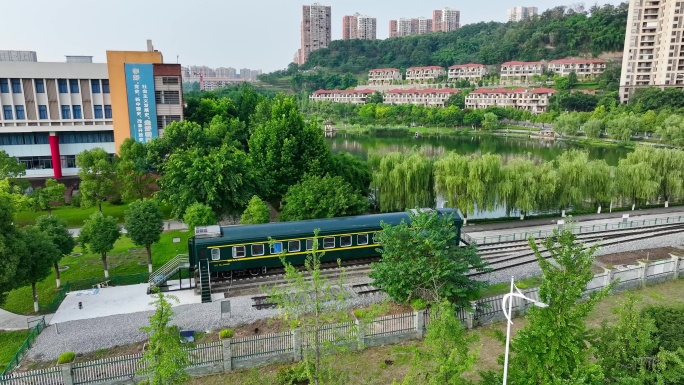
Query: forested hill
[(557, 33)]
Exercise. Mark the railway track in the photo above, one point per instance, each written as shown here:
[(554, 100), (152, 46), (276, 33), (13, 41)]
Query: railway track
[(262, 302)]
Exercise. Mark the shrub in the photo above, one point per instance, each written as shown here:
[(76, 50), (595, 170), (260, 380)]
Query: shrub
[(359, 313), (419, 304), (65, 358), (76, 200), (668, 321), (226, 333), (115, 198), (294, 375)]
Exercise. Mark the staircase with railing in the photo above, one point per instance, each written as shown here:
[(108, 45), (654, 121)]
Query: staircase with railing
[(159, 277), (205, 281)]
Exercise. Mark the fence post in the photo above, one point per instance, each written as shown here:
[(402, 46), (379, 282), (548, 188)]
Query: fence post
[(675, 266), (360, 335), (420, 323), (608, 277), (227, 355), (470, 315), (297, 344), (643, 266), (67, 376)]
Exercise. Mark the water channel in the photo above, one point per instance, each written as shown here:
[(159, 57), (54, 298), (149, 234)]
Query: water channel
[(507, 147)]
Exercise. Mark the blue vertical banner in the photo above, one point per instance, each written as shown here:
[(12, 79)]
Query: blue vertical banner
[(142, 105)]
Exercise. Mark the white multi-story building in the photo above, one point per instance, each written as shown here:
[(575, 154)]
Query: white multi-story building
[(471, 72), (29, 56), (584, 68), (518, 72), (405, 27), (384, 76), (358, 26), (445, 20), (425, 97), (424, 74), (521, 13), (535, 100), (654, 46), (341, 96)]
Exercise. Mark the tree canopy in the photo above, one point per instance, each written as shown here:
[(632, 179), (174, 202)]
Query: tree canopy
[(256, 212), (144, 225)]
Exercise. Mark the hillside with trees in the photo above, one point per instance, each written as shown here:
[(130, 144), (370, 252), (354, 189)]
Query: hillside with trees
[(557, 33)]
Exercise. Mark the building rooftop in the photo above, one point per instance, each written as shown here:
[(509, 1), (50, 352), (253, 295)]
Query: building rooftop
[(470, 65), (424, 68), (578, 61), (516, 63)]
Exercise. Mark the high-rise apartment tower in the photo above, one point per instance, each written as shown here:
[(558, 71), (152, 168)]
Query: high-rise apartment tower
[(521, 13), (445, 20), (316, 29), (358, 26)]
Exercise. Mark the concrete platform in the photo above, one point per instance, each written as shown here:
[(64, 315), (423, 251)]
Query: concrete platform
[(113, 301)]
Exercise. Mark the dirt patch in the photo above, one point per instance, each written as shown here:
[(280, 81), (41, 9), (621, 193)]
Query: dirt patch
[(632, 257)]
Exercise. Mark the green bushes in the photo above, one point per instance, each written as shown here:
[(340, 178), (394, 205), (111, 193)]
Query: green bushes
[(668, 321), (226, 333), (66, 358), (419, 304), (294, 375)]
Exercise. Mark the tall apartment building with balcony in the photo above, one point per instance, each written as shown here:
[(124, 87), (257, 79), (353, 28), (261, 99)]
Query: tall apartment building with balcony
[(654, 46), (408, 27), (358, 26), (316, 29), (471, 72), (420, 75), (445, 20), (521, 13), (384, 76), (584, 68), (518, 72), (535, 100)]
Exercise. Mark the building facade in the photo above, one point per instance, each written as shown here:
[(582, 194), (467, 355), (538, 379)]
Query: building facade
[(584, 68), (408, 27), (384, 76), (53, 111), (341, 96), (471, 72), (393, 28), (359, 26), (518, 72), (26, 56), (521, 13), (534, 100), (316, 29), (425, 97), (424, 74), (654, 46), (445, 20)]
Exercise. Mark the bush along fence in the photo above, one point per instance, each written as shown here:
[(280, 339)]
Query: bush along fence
[(239, 353)]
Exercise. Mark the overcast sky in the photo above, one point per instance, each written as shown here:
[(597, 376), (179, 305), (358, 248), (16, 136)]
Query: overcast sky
[(261, 34)]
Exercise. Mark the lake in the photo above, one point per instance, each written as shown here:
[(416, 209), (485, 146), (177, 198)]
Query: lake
[(507, 147)]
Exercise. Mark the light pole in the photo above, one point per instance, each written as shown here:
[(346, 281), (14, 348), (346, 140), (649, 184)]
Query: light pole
[(507, 304)]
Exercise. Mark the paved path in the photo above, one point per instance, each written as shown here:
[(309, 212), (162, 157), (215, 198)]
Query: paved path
[(11, 321), (168, 225)]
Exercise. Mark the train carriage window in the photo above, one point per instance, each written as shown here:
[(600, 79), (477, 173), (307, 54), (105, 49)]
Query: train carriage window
[(258, 249), (362, 239), (215, 254), (345, 240), (277, 248), (238, 251), (329, 243), (293, 246), (309, 244)]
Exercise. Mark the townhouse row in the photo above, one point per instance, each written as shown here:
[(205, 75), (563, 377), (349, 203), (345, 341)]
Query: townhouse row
[(510, 72), (534, 100)]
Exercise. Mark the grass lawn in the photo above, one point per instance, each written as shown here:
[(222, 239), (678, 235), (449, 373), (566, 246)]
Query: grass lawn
[(121, 262), (379, 366), (74, 216), (10, 342)]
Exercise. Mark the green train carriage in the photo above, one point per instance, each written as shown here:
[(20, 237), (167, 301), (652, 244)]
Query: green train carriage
[(246, 249)]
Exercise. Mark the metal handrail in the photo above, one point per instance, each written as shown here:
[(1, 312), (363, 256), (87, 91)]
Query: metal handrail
[(169, 268)]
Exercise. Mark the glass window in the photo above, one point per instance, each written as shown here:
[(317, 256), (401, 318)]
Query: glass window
[(309, 244), (95, 86), (16, 86), (328, 243), (215, 254), (277, 248), (293, 246), (62, 85), (238, 251), (7, 112), (86, 137), (68, 161), (42, 112), (362, 239), (98, 112), (21, 138), (108, 111), (21, 113), (40, 86), (73, 85), (170, 80), (4, 86), (167, 97), (66, 112), (105, 86), (258, 249), (77, 112), (345, 240)]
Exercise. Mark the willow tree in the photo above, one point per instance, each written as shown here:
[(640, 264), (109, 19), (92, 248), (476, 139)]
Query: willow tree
[(572, 177), (483, 179), (635, 180), (668, 165), (546, 180), (599, 183), (452, 175), (403, 181), (518, 186)]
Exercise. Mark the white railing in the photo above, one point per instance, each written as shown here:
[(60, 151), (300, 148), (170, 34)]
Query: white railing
[(171, 267)]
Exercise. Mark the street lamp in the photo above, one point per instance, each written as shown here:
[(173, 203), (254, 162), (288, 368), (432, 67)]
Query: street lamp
[(507, 304)]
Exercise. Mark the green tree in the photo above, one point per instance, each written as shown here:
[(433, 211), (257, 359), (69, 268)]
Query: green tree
[(456, 100), (635, 180), (36, 258), (521, 188), (56, 229), (672, 130), (490, 122), (376, 98), (553, 347), (599, 185), (326, 197), (43, 198), (568, 124), (11, 245), (446, 353), (98, 235), (561, 82), (256, 212), (483, 178), (622, 127), (572, 178), (593, 128), (354, 170), (144, 225), (198, 214), (452, 175), (402, 180), (133, 171), (165, 358), (423, 260), (98, 177)]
